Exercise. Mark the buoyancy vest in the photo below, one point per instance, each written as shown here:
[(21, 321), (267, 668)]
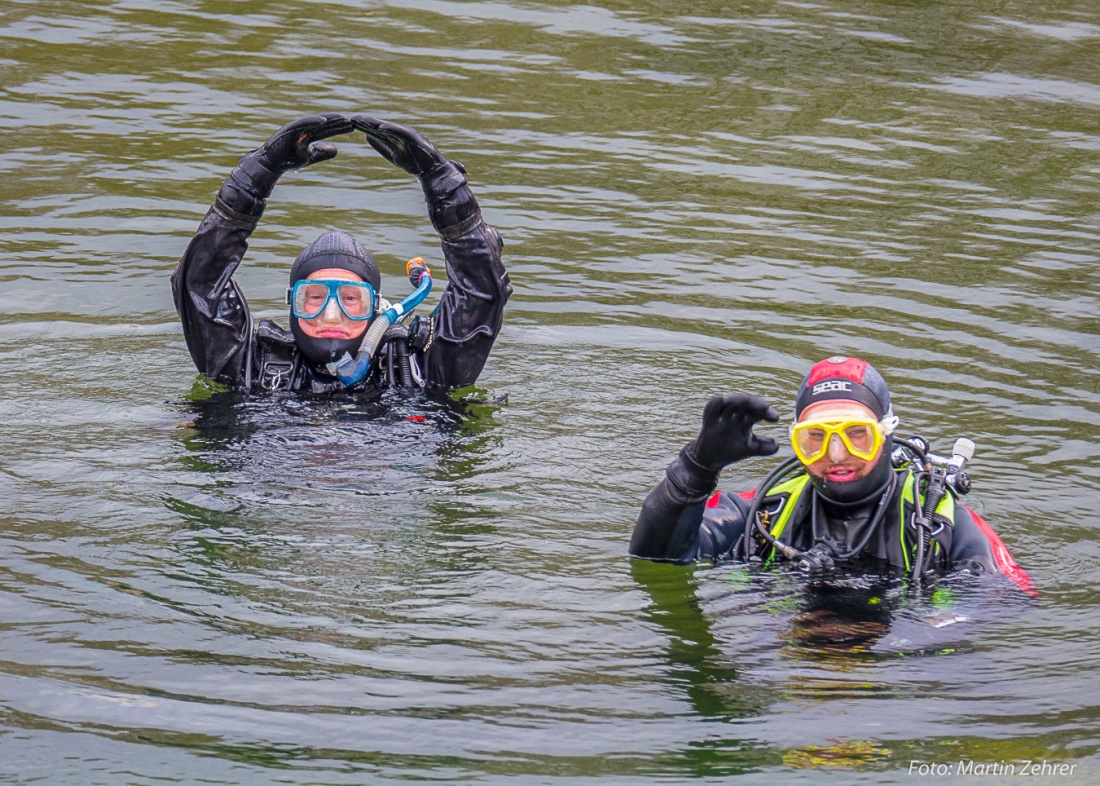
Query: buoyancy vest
[(787, 502), (279, 364)]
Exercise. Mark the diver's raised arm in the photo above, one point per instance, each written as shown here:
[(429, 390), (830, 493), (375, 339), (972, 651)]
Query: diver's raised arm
[(468, 319), (668, 526), (452, 207), (294, 146), (216, 321)]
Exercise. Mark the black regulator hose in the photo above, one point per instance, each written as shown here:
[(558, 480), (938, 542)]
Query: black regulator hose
[(934, 480), (872, 525), (917, 448), (403, 365), (773, 478), (788, 467)]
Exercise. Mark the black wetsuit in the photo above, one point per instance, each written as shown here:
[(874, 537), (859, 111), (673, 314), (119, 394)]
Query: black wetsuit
[(682, 521), (449, 348)]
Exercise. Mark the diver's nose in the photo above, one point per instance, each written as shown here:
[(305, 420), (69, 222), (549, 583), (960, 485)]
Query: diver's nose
[(331, 312), (838, 451)]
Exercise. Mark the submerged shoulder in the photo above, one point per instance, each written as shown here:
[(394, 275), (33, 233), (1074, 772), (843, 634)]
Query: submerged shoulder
[(976, 541)]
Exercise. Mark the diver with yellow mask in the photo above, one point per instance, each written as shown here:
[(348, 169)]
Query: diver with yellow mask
[(854, 497)]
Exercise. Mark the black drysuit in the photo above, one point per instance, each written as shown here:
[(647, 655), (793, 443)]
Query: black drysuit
[(683, 521), (448, 349)]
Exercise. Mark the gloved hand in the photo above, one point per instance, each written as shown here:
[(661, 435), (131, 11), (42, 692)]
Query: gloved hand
[(452, 207), (402, 146), (727, 436), (293, 146)]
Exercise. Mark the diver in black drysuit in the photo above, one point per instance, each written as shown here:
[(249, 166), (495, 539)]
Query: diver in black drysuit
[(866, 524), (444, 350)]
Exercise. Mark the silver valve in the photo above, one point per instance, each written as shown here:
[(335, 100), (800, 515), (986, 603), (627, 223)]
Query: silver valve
[(961, 453)]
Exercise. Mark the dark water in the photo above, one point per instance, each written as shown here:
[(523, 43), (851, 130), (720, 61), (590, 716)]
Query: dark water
[(695, 199)]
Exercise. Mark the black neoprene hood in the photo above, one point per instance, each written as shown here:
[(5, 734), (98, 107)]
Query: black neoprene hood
[(844, 378), (339, 250), (332, 250)]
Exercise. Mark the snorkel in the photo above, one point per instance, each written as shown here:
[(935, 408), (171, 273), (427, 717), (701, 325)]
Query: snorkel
[(350, 370)]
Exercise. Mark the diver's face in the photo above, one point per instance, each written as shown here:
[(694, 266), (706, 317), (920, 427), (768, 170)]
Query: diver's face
[(332, 322), (838, 465)]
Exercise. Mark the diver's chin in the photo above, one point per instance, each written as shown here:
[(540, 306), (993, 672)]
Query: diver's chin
[(849, 486), (322, 350)]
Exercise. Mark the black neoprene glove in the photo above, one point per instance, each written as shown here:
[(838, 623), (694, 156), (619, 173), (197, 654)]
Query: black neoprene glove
[(297, 144), (726, 437), (452, 207)]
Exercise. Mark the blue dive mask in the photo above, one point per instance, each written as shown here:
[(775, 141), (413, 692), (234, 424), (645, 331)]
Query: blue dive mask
[(308, 298)]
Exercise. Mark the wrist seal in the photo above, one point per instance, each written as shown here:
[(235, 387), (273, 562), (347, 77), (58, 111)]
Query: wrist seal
[(239, 205), (452, 206), (691, 478), (253, 175)]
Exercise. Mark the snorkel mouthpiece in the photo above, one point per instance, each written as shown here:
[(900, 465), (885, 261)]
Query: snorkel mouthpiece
[(350, 370)]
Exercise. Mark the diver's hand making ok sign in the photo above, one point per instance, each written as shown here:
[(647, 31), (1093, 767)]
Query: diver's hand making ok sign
[(727, 435)]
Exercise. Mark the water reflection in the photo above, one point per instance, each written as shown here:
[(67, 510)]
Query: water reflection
[(835, 627), (343, 437), (841, 640), (311, 489)]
